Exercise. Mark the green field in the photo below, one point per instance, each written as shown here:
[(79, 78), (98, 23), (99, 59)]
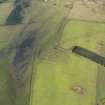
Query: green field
[(53, 74), (59, 70)]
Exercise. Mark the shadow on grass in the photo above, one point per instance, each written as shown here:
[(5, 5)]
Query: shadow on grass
[(89, 54)]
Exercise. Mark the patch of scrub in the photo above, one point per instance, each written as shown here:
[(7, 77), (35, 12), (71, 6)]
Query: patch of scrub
[(21, 69), (23, 3), (2, 1), (15, 16), (22, 57)]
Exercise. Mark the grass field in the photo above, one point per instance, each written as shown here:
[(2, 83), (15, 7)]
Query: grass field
[(59, 70), (54, 75)]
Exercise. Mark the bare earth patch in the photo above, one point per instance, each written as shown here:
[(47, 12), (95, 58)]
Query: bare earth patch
[(78, 89), (88, 10)]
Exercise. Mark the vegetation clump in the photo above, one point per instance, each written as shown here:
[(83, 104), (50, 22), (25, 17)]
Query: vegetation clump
[(2, 1), (15, 16), (23, 3)]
